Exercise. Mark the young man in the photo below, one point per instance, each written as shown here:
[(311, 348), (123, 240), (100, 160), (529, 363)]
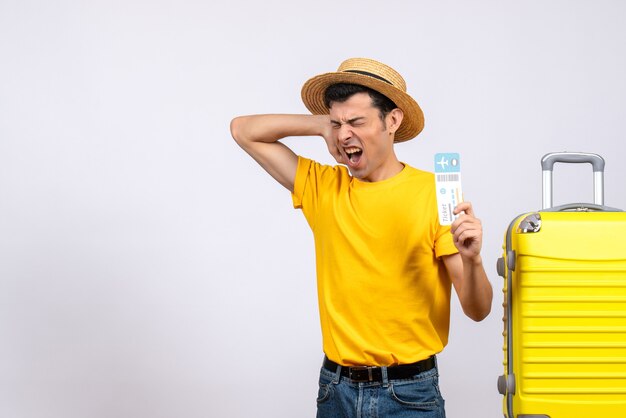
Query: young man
[(385, 266)]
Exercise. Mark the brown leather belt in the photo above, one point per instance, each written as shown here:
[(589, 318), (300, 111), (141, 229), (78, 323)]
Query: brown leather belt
[(375, 374)]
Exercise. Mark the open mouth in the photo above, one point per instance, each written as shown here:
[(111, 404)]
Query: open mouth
[(354, 154)]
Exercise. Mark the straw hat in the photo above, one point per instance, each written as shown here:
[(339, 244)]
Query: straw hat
[(372, 74)]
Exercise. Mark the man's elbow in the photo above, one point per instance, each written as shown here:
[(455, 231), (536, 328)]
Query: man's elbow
[(481, 306), (236, 129), (478, 314)]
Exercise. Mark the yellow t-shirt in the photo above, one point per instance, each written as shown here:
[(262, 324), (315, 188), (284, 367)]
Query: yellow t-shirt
[(384, 293)]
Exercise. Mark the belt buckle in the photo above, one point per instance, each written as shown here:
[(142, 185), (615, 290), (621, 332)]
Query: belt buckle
[(358, 375)]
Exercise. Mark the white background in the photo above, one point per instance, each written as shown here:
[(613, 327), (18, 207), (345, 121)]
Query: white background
[(149, 268)]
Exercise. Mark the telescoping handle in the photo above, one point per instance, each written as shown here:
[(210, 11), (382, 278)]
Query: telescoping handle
[(547, 165)]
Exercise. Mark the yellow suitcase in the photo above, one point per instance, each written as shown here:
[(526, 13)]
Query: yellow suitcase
[(565, 306)]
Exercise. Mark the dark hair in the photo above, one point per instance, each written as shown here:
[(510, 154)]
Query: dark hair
[(341, 92)]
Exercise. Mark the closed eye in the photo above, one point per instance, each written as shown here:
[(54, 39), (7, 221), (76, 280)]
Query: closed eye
[(359, 121), (356, 121)]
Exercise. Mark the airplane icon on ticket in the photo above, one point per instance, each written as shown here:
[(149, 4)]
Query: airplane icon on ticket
[(443, 163)]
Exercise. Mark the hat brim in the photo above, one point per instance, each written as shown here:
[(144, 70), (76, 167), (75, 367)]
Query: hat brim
[(313, 98)]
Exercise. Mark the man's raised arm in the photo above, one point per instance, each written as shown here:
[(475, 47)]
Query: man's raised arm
[(466, 268), (259, 136)]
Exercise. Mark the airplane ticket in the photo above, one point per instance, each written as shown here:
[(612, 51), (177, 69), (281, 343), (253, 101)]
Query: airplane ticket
[(448, 185)]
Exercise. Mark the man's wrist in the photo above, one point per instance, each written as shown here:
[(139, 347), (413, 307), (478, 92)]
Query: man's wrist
[(472, 261)]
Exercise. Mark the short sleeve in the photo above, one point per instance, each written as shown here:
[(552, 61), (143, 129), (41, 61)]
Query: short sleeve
[(301, 181), (444, 243)]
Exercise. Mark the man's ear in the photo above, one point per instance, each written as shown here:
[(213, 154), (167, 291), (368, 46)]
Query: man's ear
[(394, 119)]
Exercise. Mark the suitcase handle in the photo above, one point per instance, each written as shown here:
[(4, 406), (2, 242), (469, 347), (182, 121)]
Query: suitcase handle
[(548, 160), (547, 165)]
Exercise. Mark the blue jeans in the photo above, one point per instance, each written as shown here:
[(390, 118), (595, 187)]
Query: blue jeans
[(417, 397)]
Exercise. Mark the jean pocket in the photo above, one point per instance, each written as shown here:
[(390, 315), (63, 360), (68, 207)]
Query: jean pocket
[(420, 394), (325, 388)]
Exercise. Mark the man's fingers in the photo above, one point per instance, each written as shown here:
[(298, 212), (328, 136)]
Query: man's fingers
[(335, 153), (464, 207)]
